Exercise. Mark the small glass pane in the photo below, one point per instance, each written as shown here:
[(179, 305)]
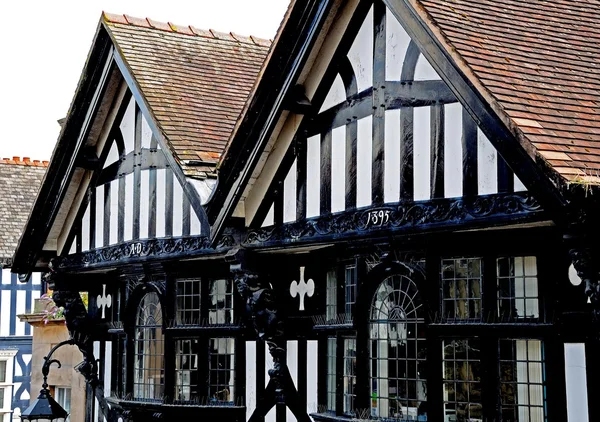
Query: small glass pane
[(221, 302), (522, 380), (221, 358), (461, 288), (517, 288), (331, 373), (188, 301), (462, 384), (331, 297)]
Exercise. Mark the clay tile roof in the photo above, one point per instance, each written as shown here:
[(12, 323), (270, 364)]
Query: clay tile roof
[(195, 82), (540, 65), (20, 180)]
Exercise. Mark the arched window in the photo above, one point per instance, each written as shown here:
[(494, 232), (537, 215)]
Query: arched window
[(149, 367), (398, 351)]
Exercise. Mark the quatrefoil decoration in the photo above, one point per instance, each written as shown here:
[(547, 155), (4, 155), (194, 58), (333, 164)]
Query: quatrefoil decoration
[(302, 288)]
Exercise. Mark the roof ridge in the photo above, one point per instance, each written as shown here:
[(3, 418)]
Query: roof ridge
[(26, 161), (185, 30)]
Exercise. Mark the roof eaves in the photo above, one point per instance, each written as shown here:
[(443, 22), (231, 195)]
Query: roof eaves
[(52, 188)]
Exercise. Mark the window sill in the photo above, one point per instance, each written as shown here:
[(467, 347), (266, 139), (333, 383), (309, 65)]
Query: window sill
[(330, 417), (219, 327)]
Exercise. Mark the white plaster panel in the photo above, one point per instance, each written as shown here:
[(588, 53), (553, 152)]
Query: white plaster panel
[(397, 41), (204, 188), (424, 71), (113, 155), (144, 203), (361, 54), (251, 393), (99, 230), (391, 188), (311, 375), (576, 382), (364, 165), (336, 94), (20, 325), (313, 176), (292, 362), (160, 202), (146, 133), (177, 208), (195, 227), (487, 165), (6, 313), (269, 365), (129, 192), (270, 217), (5, 275), (422, 153), (453, 173), (36, 278), (338, 169), (114, 212), (85, 230), (107, 368), (519, 186), (127, 126), (289, 194)]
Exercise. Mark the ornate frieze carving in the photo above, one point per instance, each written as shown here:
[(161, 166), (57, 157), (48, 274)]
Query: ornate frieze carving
[(142, 249), (403, 215)]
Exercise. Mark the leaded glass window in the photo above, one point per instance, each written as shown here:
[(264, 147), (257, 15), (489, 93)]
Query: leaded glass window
[(331, 296), (517, 287), (462, 380), (461, 288), (398, 351), (350, 289), (221, 302), (221, 370), (149, 367), (186, 370), (522, 381), (188, 301), (331, 373), (349, 380)]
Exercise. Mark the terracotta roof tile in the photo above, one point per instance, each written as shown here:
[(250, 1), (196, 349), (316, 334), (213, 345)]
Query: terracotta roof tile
[(539, 61), (20, 180), (196, 82)]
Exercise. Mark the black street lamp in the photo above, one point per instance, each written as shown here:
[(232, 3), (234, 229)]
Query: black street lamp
[(45, 408)]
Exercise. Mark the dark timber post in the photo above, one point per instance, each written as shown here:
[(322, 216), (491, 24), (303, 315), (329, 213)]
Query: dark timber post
[(379, 38)]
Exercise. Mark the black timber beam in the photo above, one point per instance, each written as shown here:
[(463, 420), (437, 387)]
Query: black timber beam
[(302, 25)]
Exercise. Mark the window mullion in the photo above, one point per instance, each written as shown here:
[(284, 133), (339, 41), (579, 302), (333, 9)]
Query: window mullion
[(489, 381), (489, 287)]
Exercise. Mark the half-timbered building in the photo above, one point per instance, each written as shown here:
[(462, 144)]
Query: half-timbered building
[(20, 180), (401, 225)]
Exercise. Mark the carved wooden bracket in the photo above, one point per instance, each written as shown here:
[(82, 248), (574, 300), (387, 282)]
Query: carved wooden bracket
[(584, 263), (261, 307)]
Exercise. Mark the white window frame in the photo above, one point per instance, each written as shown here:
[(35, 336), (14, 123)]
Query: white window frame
[(8, 356)]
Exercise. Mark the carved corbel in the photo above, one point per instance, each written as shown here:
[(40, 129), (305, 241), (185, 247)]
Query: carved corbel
[(587, 270), (80, 327)]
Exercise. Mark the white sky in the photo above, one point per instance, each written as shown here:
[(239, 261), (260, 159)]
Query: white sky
[(44, 44)]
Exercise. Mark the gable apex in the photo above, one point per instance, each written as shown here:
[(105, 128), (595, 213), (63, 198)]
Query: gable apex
[(436, 61)]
